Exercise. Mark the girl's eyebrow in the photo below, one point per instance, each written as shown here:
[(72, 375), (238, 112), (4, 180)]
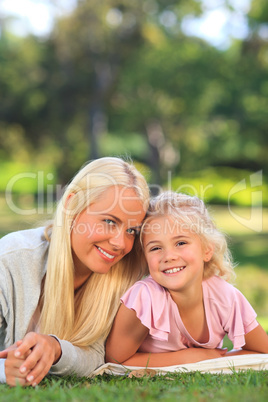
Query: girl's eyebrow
[(173, 238), (151, 242), (180, 237)]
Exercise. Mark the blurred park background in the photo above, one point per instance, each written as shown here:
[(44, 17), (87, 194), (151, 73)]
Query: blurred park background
[(140, 79)]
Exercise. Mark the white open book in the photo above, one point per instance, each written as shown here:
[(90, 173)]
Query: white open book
[(225, 365)]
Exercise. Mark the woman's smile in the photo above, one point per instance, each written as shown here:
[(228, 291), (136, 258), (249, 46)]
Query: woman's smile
[(106, 254)]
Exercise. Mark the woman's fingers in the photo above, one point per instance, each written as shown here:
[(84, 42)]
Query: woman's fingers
[(4, 353), (39, 371), (29, 360), (12, 370), (41, 358), (27, 343)]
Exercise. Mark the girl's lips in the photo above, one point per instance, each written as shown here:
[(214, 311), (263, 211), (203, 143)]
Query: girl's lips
[(173, 270)]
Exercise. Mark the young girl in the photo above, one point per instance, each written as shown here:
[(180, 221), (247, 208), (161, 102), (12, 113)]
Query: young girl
[(181, 313), (60, 286)]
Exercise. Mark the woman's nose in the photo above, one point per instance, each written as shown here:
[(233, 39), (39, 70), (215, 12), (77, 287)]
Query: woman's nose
[(118, 240)]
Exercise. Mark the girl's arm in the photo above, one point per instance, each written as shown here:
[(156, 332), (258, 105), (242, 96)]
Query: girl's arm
[(184, 356), (256, 342), (128, 334)]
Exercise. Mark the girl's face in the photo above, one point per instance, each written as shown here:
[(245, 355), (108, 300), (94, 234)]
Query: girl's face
[(104, 232), (175, 254)]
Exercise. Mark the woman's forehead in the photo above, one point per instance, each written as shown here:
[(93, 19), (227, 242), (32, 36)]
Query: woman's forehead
[(118, 200)]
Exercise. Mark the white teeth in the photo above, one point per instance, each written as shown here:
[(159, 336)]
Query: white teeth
[(106, 254), (171, 271)]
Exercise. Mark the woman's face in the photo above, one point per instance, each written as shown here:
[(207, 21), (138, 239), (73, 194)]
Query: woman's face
[(105, 231)]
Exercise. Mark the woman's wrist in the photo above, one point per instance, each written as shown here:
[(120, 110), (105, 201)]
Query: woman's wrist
[(57, 348)]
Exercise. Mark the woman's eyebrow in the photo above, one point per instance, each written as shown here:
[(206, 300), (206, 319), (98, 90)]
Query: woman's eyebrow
[(118, 220), (115, 218)]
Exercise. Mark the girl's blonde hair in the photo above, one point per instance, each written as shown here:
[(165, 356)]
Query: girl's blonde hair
[(86, 316), (191, 213)]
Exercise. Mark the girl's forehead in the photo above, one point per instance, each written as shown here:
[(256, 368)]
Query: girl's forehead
[(166, 225)]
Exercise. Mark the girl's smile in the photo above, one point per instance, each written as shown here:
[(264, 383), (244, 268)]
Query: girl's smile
[(173, 270)]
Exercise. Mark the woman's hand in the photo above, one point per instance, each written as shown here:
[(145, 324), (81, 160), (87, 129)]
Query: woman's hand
[(12, 368), (32, 359), (4, 353)]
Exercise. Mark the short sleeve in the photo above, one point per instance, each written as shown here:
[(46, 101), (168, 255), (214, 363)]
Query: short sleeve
[(242, 320), (150, 302)]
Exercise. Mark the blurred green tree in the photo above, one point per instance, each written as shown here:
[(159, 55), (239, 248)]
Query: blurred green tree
[(120, 77)]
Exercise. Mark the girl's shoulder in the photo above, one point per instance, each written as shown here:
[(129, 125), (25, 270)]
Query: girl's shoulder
[(145, 290), (219, 289), (149, 284), (152, 305)]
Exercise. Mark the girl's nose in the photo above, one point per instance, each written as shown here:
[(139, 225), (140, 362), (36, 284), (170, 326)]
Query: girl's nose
[(170, 255)]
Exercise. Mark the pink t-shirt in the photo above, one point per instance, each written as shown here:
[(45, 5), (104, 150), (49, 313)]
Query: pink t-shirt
[(227, 312)]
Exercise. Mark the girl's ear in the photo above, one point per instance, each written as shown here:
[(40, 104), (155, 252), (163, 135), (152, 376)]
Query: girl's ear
[(208, 253)]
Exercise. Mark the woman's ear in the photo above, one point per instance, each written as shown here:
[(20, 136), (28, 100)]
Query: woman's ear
[(68, 199), (208, 252)]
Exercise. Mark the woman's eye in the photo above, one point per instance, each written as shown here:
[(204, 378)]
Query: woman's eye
[(109, 221), (132, 231)]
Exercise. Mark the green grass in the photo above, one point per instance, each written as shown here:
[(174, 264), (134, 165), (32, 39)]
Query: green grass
[(246, 386)]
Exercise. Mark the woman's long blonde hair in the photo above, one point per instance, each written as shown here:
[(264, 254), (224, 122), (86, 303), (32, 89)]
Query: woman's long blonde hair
[(191, 213), (87, 316)]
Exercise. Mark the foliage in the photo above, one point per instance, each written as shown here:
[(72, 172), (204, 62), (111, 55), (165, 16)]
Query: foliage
[(222, 185), (121, 77)]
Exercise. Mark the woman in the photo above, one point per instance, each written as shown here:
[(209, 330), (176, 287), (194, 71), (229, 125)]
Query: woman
[(60, 286)]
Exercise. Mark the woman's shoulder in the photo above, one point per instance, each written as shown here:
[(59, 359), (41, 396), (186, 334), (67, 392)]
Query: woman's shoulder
[(23, 239), (24, 251), (23, 259)]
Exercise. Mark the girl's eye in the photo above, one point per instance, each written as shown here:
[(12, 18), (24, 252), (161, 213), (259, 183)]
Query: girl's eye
[(181, 243), (154, 249)]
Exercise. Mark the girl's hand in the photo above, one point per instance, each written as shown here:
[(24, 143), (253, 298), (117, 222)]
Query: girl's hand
[(35, 356)]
